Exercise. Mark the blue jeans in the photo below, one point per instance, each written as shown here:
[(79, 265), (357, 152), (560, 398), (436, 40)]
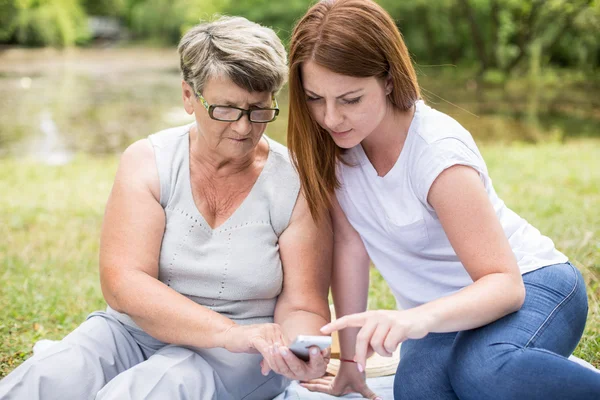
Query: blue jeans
[(520, 356)]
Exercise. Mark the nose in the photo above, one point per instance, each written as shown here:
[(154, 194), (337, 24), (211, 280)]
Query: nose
[(242, 126), (333, 117)]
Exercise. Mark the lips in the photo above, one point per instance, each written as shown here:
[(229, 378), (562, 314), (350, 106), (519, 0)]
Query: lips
[(340, 133)]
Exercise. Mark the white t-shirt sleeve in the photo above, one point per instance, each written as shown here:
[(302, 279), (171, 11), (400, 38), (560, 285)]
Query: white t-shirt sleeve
[(439, 156)]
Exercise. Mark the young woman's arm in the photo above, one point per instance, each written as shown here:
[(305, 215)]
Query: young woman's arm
[(470, 222), (350, 289), (350, 278)]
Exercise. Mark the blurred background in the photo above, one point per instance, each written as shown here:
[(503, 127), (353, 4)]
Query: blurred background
[(93, 75), (80, 80)]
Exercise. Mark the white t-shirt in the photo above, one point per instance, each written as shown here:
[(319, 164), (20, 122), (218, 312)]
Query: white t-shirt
[(400, 229)]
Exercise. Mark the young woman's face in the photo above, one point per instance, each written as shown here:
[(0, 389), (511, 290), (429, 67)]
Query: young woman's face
[(347, 107)]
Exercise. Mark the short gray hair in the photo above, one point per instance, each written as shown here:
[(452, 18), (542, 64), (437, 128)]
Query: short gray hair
[(249, 54)]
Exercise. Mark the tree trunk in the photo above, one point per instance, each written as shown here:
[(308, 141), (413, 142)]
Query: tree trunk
[(495, 16), (525, 36), (477, 36), (423, 12), (456, 51), (567, 25)]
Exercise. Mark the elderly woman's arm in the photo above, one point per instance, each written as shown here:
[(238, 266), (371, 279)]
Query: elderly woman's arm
[(302, 308), (132, 232)]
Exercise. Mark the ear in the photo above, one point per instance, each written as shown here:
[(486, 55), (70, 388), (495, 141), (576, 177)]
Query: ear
[(389, 85), (188, 97)]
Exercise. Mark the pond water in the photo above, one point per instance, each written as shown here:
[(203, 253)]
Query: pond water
[(54, 103)]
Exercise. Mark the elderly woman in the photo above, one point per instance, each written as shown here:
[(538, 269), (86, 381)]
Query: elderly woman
[(210, 261)]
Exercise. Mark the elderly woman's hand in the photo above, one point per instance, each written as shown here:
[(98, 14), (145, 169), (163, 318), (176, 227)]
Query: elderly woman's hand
[(284, 362), (269, 340)]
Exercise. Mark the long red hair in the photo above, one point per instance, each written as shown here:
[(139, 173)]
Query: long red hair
[(350, 37)]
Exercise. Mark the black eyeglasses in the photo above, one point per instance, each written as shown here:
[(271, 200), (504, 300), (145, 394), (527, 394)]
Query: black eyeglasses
[(232, 114)]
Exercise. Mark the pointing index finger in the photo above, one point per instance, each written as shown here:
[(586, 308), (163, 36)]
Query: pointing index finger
[(353, 320)]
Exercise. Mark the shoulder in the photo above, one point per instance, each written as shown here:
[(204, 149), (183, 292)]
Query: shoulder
[(137, 167), (279, 150), (439, 136), (434, 126), (170, 136), (283, 166), (137, 157), (281, 187), (440, 143)]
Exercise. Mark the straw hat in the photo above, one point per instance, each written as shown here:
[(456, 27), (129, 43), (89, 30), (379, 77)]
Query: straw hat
[(376, 365)]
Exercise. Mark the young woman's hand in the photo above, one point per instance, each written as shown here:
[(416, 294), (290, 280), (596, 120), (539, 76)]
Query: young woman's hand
[(270, 342), (383, 330), (347, 380)]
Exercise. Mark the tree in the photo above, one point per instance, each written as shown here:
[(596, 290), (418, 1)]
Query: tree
[(516, 25), (50, 23)]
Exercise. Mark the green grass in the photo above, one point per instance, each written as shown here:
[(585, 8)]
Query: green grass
[(50, 221)]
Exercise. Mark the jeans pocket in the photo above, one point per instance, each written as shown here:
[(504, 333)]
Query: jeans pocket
[(558, 292)]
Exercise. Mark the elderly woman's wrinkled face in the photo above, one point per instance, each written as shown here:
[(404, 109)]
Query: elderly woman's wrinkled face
[(228, 139)]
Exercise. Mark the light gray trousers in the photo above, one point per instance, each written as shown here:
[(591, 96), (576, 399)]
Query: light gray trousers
[(104, 359)]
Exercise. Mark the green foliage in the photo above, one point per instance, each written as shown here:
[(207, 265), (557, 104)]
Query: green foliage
[(498, 34), (156, 18), (8, 18), (47, 22), (167, 20), (580, 46), (493, 34), (109, 8), (279, 15)]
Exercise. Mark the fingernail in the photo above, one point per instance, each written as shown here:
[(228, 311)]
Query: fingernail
[(323, 328), (378, 398), (283, 351), (314, 351), (360, 367)]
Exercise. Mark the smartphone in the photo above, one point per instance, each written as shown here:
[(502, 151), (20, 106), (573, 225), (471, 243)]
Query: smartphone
[(302, 343)]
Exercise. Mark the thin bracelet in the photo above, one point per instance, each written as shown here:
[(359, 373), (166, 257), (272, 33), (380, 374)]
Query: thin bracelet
[(347, 360)]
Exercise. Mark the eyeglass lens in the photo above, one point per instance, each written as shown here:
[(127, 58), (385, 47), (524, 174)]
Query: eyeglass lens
[(233, 114)]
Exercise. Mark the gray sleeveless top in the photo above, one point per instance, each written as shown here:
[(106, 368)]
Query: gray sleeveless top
[(234, 269)]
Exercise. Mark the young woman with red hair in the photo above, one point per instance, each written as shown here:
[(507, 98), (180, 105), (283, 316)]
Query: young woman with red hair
[(488, 308)]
